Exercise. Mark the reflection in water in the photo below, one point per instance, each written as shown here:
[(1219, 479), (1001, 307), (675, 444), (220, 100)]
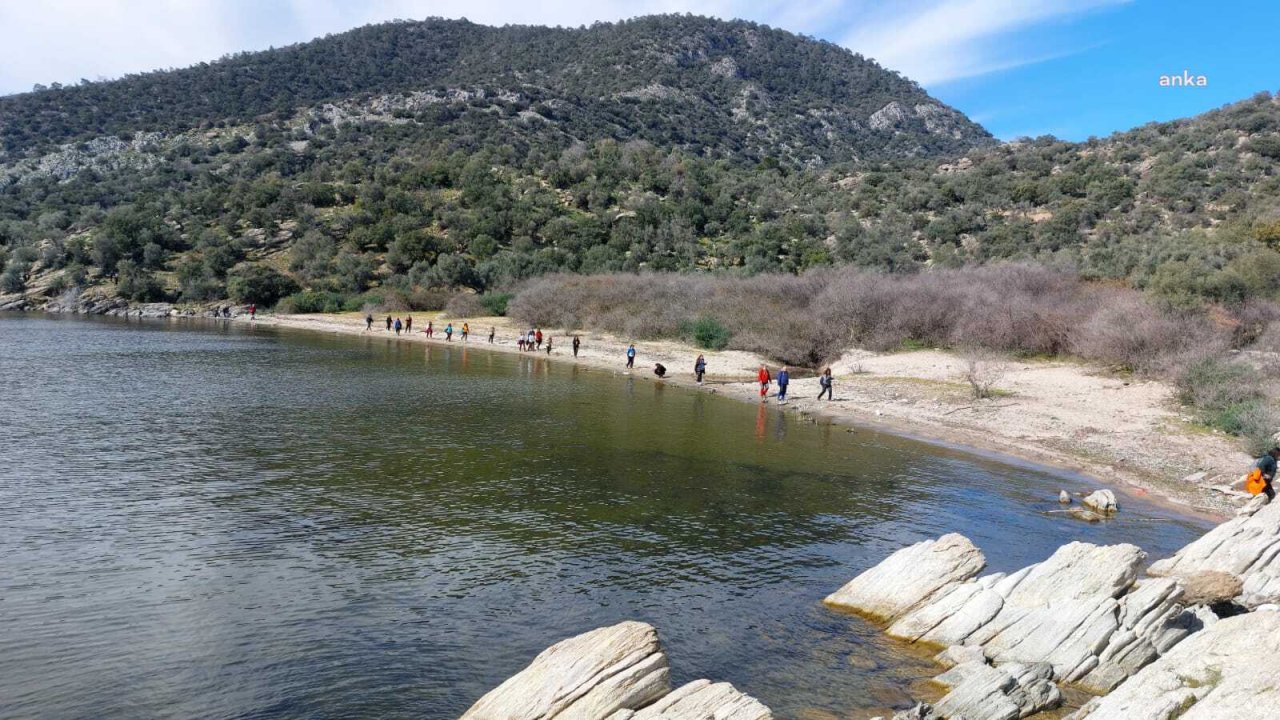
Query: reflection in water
[(233, 523)]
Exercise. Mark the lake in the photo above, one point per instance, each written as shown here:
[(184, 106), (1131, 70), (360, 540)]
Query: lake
[(225, 521)]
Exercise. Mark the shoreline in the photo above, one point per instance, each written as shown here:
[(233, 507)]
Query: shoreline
[(1165, 460)]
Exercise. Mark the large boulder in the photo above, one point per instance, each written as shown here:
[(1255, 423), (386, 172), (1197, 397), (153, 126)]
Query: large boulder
[(1101, 501), (1247, 546), (1210, 587), (910, 577), (1227, 670), (586, 677)]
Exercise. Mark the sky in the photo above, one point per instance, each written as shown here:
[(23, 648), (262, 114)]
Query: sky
[(1070, 68)]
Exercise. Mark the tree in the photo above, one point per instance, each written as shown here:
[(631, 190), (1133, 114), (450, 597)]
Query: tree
[(260, 284)]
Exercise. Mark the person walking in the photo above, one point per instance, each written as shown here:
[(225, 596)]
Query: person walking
[(784, 379), (368, 322), (631, 355), (466, 330), (549, 340), (398, 326), (824, 384), (576, 343), (408, 324), (699, 368), (537, 338), (430, 329), (253, 311), (492, 331), (388, 323), (764, 379), (448, 332)]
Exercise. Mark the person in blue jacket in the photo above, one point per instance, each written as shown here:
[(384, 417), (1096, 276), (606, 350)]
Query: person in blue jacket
[(784, 378)]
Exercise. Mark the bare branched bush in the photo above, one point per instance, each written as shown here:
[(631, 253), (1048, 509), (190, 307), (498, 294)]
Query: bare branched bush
[(464, 305), (982, 370)]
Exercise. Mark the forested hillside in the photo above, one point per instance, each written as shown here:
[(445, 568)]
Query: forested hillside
[(396, 163)]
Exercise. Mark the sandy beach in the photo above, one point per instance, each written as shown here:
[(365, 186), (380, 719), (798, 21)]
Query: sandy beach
[(1125, 433)]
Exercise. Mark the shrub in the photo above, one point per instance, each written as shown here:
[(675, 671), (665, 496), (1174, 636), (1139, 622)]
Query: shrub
[(259, 284), (14, 277), (707, 333), (312, 301), (464, 305), (421, 298), (496, 303)]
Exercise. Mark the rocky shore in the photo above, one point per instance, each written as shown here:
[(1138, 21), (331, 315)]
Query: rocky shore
[(1195, 637)]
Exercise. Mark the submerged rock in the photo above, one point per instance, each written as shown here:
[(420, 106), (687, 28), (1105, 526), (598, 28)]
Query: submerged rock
[(612, 673), (1084, 514), (910, 577), (1246, 546), (1228, 670), (1101, 501)]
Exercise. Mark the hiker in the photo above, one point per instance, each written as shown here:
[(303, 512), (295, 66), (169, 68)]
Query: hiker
[(660, 370), (763, 377), (466, 330), (492, 331), (824, 382), (549, 339), (430, 329), (388, 323), (448, 332), (253, 311), (631, 355), (537, 338), (408, 324), (520, 341), (576, 343), (784, 379), (1263, 473), (699, 368), (368, 322), (398, 326)]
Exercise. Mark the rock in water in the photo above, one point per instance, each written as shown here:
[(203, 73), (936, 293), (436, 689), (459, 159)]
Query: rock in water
[(699, 700), (1085, 514), (1225, 672), (1102, 501), (587, 677), (1064, 497), (911, 577), (1246, 546)]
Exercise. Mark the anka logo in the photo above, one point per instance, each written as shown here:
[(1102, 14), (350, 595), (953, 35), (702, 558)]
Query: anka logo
[(1186, 79)]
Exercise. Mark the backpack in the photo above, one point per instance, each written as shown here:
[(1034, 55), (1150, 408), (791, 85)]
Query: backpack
[(1254, 482)]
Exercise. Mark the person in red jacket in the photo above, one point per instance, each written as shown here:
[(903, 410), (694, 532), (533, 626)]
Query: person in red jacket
[(763, 377)]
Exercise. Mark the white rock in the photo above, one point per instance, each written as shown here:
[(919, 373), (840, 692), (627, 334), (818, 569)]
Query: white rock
[(1064, 497), (981, 692), (1225, 672), (959, 655), (1247, 546), (701, 700), (1103, 501), (910, 577), (586, 677)]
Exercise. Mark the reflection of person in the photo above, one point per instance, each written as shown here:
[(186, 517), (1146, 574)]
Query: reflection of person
[(824, 382), (660, 370), (631, 355)]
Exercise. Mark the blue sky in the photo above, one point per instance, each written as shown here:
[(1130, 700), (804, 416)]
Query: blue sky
[(1070, 68)]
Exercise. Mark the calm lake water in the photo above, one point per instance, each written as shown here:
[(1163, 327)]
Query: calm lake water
[(231, 522)]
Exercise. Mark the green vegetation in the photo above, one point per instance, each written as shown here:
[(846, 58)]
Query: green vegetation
[(706, 332)]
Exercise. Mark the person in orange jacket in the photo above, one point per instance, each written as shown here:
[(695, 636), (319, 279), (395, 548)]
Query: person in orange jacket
[(763, 377)]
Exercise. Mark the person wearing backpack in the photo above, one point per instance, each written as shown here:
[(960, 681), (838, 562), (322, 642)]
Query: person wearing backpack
[(824, 382), (1263, 473)]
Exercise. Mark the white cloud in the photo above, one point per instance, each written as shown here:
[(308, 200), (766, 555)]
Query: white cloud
[(931, 41), (936, 41)]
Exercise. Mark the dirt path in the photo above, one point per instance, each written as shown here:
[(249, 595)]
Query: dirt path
[(1130, 435)]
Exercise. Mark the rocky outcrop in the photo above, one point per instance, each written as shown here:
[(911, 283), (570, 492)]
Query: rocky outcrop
[(1011, 691), (619, 673), (911, 577), (1210, 587), (1226, 671), (1247, 546)]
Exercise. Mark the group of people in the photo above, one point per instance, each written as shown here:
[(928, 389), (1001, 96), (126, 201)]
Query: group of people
[(405, 325), (825, 382)]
